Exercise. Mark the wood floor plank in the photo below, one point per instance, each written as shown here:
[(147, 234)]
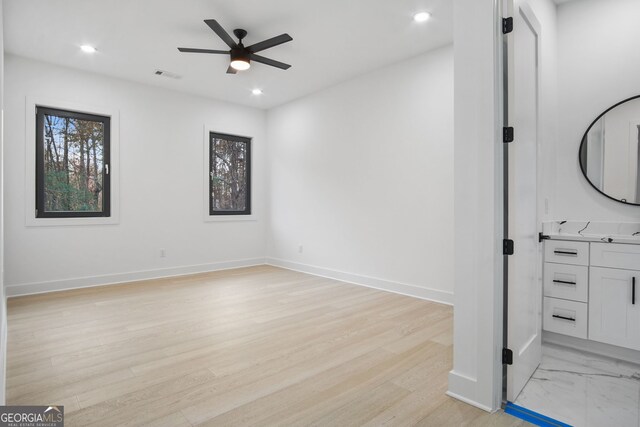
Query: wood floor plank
[(414, 407), (251, 346), (358, 411), (172, 420), (452, 412)]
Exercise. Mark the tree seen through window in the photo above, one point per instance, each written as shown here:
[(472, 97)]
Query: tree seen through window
[(72, 156), (230, 170)]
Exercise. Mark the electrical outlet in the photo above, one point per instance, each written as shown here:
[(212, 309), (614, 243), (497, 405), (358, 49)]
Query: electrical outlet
[(163, 253), (300, 249)]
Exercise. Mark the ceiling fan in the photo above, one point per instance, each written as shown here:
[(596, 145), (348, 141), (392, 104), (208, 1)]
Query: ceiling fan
[(242, 56)]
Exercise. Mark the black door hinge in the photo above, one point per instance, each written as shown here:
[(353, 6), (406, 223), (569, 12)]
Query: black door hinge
[(542, 237), (507, 134), (507, 247), (507, 356), (507, 25)]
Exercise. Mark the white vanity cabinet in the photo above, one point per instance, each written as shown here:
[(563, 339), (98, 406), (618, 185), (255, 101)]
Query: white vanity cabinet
[(614, 295), (592, 291)]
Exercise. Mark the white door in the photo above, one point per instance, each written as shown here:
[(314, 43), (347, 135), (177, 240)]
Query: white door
[(614, 307), (524, 281)]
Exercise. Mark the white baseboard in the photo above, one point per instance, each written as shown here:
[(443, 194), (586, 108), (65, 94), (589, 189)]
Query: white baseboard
[(370, 282), (112, 279), (461, 386), (601, 349), (3, 350)]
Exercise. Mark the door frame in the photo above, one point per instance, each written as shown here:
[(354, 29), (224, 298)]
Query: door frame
[(509, 10)]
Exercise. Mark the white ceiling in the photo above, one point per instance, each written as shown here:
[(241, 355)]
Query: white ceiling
[(333, 40)]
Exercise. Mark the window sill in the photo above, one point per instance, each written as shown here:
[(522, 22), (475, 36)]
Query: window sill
[(229, 218), (63, 222)]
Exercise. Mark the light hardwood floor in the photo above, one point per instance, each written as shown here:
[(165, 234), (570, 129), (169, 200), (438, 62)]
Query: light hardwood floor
[(253, 346)]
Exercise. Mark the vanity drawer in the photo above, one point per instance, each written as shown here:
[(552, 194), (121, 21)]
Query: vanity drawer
[(566, 252), (615, 255), (566, 281), (565, 317)]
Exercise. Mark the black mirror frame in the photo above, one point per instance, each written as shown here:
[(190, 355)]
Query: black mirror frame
[(584, 138)]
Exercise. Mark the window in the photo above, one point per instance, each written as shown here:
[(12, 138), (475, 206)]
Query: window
[(230, 174), (72, 164)]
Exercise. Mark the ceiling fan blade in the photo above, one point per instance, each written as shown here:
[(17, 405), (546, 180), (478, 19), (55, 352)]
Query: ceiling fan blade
[(192, 50), (231, 70), (266, 44), (217, 28), (268, 61)]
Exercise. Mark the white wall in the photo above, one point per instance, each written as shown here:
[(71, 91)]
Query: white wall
[(361, 176), (598, 67), (3, 301), (477, 317), (161, 194)]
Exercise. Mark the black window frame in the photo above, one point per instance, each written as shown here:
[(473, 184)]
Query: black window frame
[(106, 158), (234, 138)]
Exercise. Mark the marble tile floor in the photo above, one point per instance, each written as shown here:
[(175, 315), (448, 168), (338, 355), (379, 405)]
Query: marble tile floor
[(584, 390)]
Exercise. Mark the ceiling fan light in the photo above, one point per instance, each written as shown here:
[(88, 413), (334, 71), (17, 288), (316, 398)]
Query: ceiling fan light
[(240, 59), (240, 64)]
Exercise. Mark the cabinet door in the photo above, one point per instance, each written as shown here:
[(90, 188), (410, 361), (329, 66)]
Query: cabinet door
[(614, 316)]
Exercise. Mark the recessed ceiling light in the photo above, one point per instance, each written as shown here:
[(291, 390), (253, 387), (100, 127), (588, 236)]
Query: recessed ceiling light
[(421, 16), (86, 48), (257, 91)]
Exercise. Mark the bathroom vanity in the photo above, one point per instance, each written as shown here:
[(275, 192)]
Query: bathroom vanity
[(591, 282)]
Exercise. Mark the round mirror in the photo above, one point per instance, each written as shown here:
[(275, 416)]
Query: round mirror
[(609, 154)]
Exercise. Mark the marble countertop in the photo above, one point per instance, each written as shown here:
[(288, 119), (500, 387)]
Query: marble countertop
[(588, 231), (611, 238)]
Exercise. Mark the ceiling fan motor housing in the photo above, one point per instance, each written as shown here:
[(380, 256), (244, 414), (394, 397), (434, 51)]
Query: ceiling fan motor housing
[(240, 54)]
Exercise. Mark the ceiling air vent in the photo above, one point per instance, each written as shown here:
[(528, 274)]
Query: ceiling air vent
[(168, 74)]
